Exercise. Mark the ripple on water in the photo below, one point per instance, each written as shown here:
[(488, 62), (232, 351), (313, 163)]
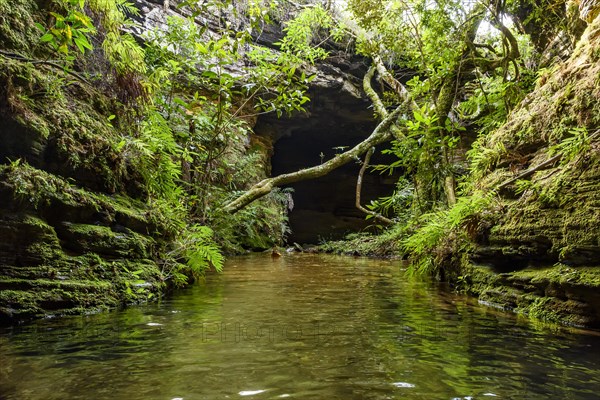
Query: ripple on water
[(302, 326)]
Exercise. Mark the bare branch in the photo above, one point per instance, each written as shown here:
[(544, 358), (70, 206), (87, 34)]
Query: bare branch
[(396, 86), (359, 180), (377, 103), (381, 134)]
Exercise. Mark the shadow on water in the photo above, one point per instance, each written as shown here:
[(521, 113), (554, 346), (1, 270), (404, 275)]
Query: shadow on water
[(301, 326)]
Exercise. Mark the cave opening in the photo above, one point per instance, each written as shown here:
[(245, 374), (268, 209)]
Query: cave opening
[(324, 208)]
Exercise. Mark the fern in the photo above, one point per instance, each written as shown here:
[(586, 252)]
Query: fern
[(201, 251), (192, 254), (484, 158), (124, 53), (153, 154), (433, 230), (572, 146)]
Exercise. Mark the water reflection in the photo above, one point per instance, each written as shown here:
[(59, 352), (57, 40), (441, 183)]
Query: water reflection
[(301, 326)]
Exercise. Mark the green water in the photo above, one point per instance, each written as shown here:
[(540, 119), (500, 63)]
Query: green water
[(305, 327)]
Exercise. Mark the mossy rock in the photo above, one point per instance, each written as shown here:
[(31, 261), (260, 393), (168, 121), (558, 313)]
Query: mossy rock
[(116, 241), (17, 25), (560, 293), (67, 250)]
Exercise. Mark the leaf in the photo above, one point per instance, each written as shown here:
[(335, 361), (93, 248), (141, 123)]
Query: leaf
[(79, 45), (47, 37), (120, 145)]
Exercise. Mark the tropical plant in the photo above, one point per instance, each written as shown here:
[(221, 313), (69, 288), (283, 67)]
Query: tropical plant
[(191, 255), (435, 234)]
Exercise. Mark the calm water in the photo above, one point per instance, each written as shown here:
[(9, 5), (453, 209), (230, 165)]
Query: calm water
[(302, 326)]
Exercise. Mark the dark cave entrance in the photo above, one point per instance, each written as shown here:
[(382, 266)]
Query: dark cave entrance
[(324, 208)]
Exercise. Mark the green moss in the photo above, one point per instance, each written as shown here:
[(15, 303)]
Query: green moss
[(36, 189), (112, 283), (17, 29), (563, 211), (560, 274), (68, 267), (558, 294), (74, 202), (385, 244), (102, 239), (46, 105)]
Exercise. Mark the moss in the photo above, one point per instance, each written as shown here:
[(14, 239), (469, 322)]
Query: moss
[(87, 238), (561, 274), (559, 294), (563, 213), (28, 298), (78, 230), (111, 283), (385, 244), (36, 189), (69, 121), (17, 29), (68, 267)]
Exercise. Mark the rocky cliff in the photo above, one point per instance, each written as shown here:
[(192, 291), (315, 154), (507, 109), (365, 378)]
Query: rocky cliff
[(539, 253), (76, 233)]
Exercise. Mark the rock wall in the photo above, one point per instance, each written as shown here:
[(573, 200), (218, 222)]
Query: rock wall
[(539, 254), (75, 231)]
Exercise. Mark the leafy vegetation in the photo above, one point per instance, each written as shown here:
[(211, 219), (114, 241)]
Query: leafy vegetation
[(171, 125), (172, 118), (465, 68)]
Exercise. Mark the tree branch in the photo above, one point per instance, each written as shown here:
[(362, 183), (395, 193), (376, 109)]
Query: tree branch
[(382, 133), (396, 85), (19, 57), (375, 215), (371, 94)]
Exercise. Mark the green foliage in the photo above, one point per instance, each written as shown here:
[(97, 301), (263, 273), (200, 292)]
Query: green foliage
[(302, 32), (464, 73), (572, 146), (206, 122), (69, 30), (261, 225), (437, 234), (521, 186), (284, 87), (73, 28), (398, 204), (484, 157), (196, 248), (383, 244), (418, 155), (201, 251), (153, 154), (491, 100)]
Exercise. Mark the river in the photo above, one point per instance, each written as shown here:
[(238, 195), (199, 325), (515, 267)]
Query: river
[(305, 327)]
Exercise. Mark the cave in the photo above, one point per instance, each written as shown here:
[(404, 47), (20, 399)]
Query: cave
[(337, 118)]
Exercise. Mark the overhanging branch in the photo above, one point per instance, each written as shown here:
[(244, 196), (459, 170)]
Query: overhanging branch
[(381, 134)]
